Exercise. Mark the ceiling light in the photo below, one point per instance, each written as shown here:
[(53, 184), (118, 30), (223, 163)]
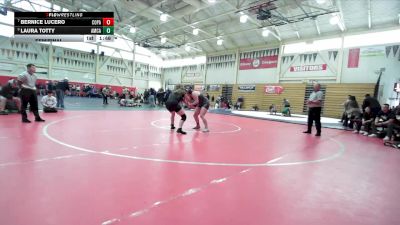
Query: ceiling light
[(132, 29), (334, 20), (243, 18), (163, 17), (211, 1), (195, 31), (220, 41), (265, 33), (163, 40), (187, 48), (320, 1)]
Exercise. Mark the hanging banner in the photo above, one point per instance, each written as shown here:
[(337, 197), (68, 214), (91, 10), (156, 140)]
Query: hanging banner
[(192, 77), (273, 89), (259, 63), (308, 68), (395, 48), (373, 51), (354, 58), (247, 88)]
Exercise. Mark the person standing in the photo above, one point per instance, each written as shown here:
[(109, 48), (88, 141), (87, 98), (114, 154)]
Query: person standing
[(105, 92), (174, 107), (201, 105), (61, 87), (314, 104), (27, 81)]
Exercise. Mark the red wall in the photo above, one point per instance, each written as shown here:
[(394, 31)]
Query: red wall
[(4, 79)]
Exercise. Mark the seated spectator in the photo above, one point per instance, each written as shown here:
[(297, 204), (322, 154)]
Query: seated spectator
[(383, 119), (373, 104), (344, 114), (394, 125), (127, 100), (350, 106), (8, 95), (272, 109), (239, 102), (356, 117), (366, 122), (49, 103)]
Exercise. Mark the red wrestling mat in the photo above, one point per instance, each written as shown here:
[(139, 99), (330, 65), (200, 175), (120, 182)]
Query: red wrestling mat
[(120, 167)]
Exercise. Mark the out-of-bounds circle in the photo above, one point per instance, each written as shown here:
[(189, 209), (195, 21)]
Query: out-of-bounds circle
[(273, 162), (159, 124)]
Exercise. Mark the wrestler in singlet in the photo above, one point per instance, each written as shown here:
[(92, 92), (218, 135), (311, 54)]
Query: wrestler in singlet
[(173, 101), (173, 106)]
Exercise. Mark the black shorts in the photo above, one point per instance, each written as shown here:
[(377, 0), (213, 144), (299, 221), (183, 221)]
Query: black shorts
[(173, 106), (204, 105)]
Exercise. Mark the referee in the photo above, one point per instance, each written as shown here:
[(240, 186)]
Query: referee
[(314, 104), (28, 94)]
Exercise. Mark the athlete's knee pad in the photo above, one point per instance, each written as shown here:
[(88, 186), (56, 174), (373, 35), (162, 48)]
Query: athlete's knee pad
[(183, 117)]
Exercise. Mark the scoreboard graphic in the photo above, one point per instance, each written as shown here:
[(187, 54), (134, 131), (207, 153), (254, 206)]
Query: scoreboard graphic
[(64, 26)]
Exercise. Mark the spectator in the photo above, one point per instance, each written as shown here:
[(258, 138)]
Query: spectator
[(286, 108), (367, 120), (105, 92), (61, 88), (373, 104), (350, 107), (272, 109), (384, 117), (49, 103), (8, 93), (394, 125)]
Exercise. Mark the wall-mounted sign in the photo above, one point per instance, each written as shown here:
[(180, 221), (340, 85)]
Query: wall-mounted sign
[(259, 63), (247, 88), (306, 68), (213, 87), (273, 89), (373, 51)]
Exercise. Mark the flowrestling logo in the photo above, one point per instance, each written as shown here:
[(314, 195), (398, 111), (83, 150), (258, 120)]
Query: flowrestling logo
[(308, 68)]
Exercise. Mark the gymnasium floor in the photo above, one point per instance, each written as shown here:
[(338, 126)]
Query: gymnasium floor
[(105, 165)]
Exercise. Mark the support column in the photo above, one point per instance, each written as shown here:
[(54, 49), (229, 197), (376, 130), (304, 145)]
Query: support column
[(50, 62), (279, 69), (205, 73), (237, 62), (340, 61), (96, 77), (133, 64)]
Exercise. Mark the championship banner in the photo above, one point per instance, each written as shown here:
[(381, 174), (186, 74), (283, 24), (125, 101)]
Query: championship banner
[(259, 63), (247, 88), (307, 68), (273, 89)]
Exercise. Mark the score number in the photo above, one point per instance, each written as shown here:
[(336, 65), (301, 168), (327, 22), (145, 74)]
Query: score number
[(108, 26)]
